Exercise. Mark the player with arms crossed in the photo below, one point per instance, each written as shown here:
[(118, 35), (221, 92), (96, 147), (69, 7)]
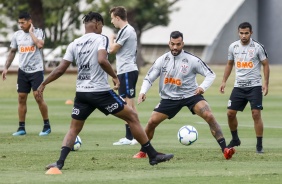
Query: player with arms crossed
[(93, 90), (247, 55), (177, 70), (125, 47), (28, 41)]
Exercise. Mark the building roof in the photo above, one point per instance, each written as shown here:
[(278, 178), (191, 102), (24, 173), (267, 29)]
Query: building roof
[(200, 21)]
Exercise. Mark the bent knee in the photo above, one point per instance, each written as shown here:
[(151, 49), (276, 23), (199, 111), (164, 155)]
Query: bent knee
[(256, 114), (231, 115)]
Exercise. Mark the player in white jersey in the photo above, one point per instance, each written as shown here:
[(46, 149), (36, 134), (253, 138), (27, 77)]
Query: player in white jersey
[(178, 88), (93, 90), (28, 41), (124, 45), (247, 55)]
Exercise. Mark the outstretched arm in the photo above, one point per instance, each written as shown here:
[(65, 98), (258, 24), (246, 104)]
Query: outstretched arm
[(55, 74)]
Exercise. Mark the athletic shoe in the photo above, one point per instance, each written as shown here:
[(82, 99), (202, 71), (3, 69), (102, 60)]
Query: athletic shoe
[(160, 158), (260, 150), (46, 132), (122, 141), (134, 142), (140, 154), (19, 133), (233, 143), (228, 152), (59, 166)]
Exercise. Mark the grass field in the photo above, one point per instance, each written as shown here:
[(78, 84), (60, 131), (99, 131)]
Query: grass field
[(22, 159)]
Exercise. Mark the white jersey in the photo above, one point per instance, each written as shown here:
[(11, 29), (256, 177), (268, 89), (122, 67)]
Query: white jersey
[(84, 50), (126, 55), (247, 60), (178, 75), (30, 57)]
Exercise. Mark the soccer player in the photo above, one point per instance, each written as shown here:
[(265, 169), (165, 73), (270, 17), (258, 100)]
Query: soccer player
[(124, 45), (247, 55), (178, 88), (28, 41), (93, 90)]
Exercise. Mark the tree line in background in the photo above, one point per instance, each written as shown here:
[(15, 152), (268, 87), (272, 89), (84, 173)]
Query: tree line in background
[(60, 18)]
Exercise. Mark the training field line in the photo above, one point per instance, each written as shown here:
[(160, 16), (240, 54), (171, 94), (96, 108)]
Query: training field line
[(249, 126)]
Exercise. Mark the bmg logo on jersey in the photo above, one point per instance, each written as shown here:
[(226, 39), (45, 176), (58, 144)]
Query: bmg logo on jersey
[(75, 111), (24, 49), (112, 107), (244, 64), (171, 80)]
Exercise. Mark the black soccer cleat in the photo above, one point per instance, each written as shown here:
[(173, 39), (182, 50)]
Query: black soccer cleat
[(59, 166), (233, 143), (160, 158), (259, 149)]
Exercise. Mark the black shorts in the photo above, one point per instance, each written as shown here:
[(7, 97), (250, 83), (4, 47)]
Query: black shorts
[(85, 103), (241, 96), (128, 84), (172, 107), (26, 81)]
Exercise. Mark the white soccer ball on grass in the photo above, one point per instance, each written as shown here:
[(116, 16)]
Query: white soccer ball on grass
[(187, 135), (77, 144)]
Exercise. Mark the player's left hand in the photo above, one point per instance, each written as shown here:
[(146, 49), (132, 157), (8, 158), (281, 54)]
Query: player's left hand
[(265, 90), (199, 91)]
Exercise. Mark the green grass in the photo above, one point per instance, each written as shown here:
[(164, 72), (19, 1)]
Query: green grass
[(22, 159)]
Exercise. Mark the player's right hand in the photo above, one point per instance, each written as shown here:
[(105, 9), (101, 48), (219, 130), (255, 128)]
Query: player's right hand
[(116, 83), (221, 88), (4, 74), (141, 98), (40, 90)]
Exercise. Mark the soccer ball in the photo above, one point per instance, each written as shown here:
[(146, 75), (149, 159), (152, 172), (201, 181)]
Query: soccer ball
[(77, 144), (187, 135)]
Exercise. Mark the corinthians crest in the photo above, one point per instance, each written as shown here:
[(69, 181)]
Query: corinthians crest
[(251, 53), (131, 91), (184, 69)]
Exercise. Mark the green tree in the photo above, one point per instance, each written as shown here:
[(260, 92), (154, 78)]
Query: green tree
[(58, 18), (141, 14)]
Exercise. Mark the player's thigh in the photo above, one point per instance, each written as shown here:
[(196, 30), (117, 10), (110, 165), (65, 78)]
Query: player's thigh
[(168, 107), (157, 117), (127, 114), (23, 84), (202, 109), (128, 82), (255, 98), (237, 100), (82, 108), (108, 102), (36, 79)]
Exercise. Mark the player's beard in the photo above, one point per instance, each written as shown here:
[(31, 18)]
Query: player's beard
[(245, 41), (175, 52)]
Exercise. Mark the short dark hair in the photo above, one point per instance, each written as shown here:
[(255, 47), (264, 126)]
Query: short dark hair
[(24, 15), (176, 34), (245, 25), (93, 16), (119, 11)]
